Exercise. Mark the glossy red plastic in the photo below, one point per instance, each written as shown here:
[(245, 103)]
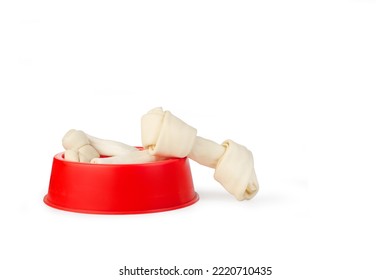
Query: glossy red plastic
[(120, 188)]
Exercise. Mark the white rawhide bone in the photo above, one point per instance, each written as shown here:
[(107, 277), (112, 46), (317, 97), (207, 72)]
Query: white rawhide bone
[(164, 134), (119, 153), (77, 147), (82, 147)]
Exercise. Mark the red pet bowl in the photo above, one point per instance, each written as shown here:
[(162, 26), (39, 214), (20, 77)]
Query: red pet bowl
[(120, 188)]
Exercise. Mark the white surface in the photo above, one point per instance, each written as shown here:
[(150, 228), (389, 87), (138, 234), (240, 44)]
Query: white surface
[(303, 85)]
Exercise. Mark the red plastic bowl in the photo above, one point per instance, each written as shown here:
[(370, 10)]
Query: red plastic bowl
[(120, 188)]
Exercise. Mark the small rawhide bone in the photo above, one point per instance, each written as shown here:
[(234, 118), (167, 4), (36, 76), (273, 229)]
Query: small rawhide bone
[(163, 134), (82, 147), (119, 153)]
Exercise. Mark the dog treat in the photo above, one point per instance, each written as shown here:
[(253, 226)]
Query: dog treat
[(163, 134), (82, 147)]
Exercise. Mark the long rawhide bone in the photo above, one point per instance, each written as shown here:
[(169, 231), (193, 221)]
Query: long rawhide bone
[(163, 134), (77, 147)]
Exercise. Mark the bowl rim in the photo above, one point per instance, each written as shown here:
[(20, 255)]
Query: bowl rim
[(60, 156)]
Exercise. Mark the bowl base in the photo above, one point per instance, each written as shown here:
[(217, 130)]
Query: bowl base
[(131, 212)]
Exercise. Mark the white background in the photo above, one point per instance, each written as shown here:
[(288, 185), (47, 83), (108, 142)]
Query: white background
[(303, 84)]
